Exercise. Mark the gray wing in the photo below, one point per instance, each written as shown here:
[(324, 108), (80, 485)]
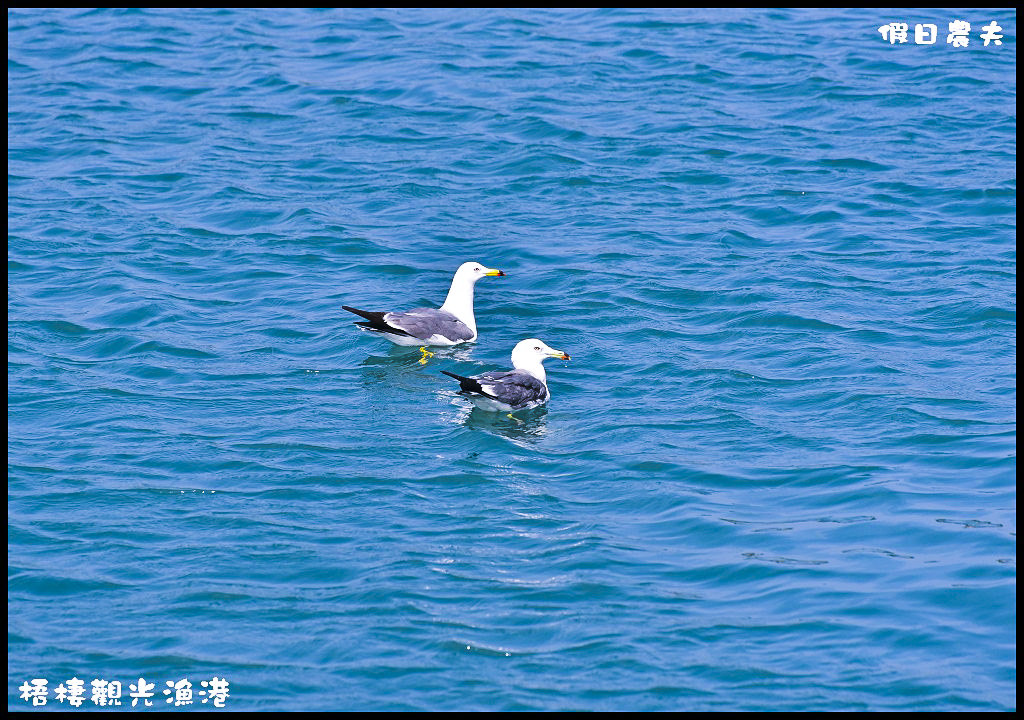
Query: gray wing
[(423, 323), (515, 388)]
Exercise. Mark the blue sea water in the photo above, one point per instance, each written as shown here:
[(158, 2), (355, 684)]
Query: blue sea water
[(778, 473)]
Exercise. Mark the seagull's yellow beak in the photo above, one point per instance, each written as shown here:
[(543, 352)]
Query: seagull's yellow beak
[(494, 273), (559, 354)]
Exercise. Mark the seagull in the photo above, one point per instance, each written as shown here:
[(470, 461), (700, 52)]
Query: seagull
[(451, 324), (511, 390)]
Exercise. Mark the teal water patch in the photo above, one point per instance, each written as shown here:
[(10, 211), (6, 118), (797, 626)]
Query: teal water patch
[(777, 474)]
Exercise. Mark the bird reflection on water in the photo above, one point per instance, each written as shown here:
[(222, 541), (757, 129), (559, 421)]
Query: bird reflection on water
[(526, 426)]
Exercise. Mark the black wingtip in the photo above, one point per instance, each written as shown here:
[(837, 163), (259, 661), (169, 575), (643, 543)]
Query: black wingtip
[(356, 311), (468, 384), (376, 321)]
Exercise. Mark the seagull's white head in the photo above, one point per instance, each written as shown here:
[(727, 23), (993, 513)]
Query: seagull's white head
[(473, 271), (532, 352), (460, 296)]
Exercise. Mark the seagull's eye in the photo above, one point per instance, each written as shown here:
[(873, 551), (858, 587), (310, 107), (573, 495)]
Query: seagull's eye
[(536, 348)]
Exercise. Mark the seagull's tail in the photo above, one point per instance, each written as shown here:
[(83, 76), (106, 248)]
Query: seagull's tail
[(469, 385), (376, 321), (371, 316)]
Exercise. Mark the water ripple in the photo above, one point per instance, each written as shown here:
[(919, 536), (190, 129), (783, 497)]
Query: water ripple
[(780, 251)]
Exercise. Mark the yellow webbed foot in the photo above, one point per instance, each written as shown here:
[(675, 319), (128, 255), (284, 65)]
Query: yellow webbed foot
[(425, 354)]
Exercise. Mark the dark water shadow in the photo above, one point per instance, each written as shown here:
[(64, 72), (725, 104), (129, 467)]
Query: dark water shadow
[(399, 356), (525, 426)]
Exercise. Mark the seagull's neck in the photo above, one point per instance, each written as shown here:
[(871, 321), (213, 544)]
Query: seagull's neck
[(460, 301), (533, 366)]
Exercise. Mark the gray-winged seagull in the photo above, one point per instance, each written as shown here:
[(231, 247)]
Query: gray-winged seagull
[(451, 324), (511, 390)]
